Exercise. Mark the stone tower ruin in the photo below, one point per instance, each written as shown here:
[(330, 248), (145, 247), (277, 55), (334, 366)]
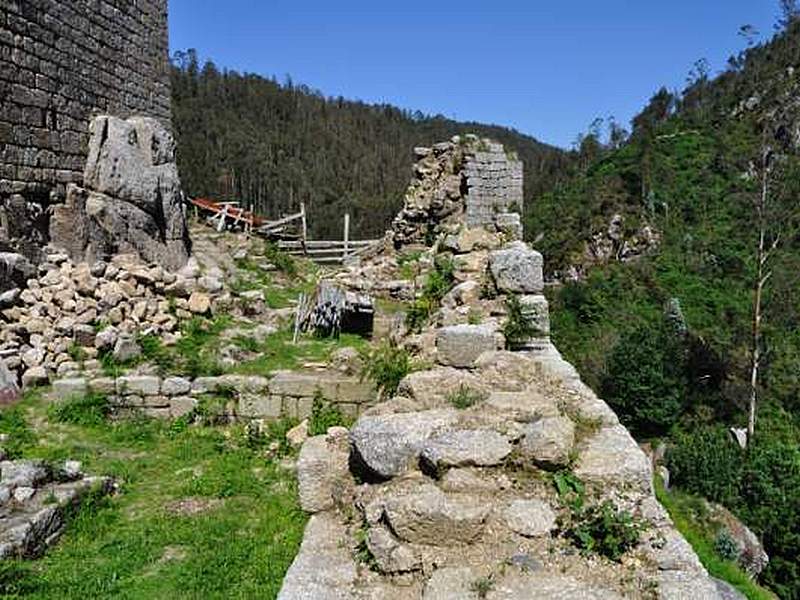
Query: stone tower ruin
[(61, 63), (466, 180)]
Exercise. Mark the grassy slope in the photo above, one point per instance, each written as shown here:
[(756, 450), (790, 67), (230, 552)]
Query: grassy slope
[(680, 507)]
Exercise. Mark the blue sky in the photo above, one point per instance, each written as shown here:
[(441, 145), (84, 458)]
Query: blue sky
[(546, 68)]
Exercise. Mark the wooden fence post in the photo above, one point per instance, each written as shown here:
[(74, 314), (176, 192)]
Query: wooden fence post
[(304, 233), (346, 235)]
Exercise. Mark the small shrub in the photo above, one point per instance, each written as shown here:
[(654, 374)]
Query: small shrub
[(77, 353), (726, 546), (418, 314), (646, 379), (437, 284), (604, 530), (324, 415), (89, 410), (517, 327), (474, 317), (386, 366), (707, 462), (464, 397), (15, 578), (570, 489), (282, 261), (363, 554), (482, 586)]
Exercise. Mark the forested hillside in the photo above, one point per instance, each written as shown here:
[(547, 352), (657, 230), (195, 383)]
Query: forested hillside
[(247, 138), (668, 336)]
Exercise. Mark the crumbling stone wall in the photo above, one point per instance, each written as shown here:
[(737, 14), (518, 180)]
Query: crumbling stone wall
[(494, 183), (60, 63), (466, 180)]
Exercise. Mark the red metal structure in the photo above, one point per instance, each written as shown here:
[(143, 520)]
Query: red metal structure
[(228, 211)]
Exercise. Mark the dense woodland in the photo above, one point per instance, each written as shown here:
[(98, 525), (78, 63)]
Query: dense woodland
[(271, 146), (667, 339)]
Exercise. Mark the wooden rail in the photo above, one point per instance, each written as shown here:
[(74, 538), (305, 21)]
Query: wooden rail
[(328, 251)]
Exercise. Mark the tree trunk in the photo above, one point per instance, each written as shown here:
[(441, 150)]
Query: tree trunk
[(762, 256)]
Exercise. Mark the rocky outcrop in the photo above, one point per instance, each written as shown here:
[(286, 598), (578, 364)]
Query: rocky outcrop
[(35, 499), (131, 199)]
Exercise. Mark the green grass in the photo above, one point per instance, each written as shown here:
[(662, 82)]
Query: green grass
[(135, 544), (702, 539), (277, 352), (280, 289)]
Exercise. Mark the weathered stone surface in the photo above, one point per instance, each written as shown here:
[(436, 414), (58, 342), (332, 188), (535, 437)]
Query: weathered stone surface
[(35, 376), (126, 348), (536, 312), (429, 516), (469, 239), (391, 555), (132, 201), (323, 476), (260, 406), (510, 225), (525, 407), (461, 345), (15, 270), (432, 388), (387, 445), (175, 386), (199, 303), (465, 293), (298, 434), (64, 389), (726, 591), (323, 568), (332, 386), (9, 390), (612, 457), (548, 442), (482, 448), (680, 585), (143, 385), (517, 269), (547, 586), (450, 583), (23, 473), (530, 518)]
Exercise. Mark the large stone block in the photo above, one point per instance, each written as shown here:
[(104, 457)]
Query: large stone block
[(516, 268), (461, 345), (142, 385), (132, 201), (322, 471), (385, 446), (333, 387)]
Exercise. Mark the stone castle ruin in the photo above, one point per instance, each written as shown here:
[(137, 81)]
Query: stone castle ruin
[(466, 180), (444, 490), (61, 64)]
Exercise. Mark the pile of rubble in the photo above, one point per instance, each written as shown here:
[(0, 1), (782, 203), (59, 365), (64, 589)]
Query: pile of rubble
[(34, 501), (63, 319)]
